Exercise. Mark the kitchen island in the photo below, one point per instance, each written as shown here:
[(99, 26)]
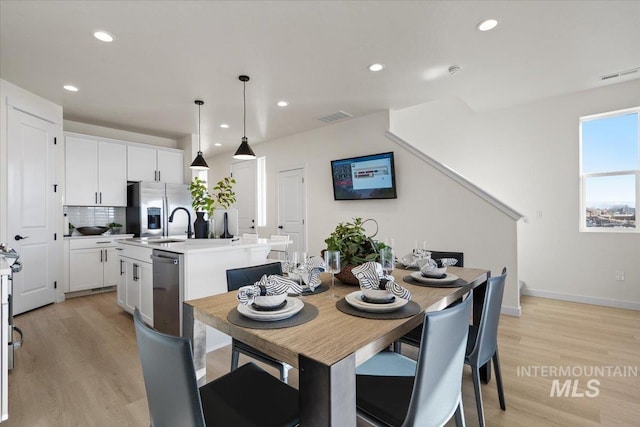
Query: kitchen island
[(197, 268)]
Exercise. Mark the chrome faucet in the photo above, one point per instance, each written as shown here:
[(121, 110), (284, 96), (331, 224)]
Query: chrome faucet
[(189, 232)]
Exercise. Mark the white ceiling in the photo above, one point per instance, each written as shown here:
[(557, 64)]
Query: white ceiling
[(314, 54)]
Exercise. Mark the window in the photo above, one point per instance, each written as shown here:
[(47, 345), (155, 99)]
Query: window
[(262, 191), (609, 171)]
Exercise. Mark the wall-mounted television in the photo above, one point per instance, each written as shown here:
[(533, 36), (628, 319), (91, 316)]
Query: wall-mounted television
[(364, 177)]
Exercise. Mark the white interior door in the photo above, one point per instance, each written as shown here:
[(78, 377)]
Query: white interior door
[(245, 188), (31, 176), (292, 212)]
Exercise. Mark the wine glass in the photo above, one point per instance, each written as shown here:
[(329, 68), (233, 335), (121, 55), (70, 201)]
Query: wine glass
[(387, 260), (332, 266), (298, 263)]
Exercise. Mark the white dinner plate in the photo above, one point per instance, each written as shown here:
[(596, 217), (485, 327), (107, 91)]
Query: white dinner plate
[(354, 299), (294, 305), (449, 278)]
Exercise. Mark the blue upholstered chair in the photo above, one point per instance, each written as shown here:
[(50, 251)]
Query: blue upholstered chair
[(482, 345), (246, 397), (393, 390), (236, 278)]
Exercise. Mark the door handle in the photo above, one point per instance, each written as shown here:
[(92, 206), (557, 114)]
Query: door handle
[(280, 227), (252, 227), (19, 237)]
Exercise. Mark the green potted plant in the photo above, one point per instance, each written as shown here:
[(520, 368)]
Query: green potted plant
[(114, 227), (202, 202), (354, 245)]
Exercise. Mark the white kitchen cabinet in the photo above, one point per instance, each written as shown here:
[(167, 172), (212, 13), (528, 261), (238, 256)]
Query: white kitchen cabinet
[(147, 163), (93, 263), (135, 286), (95, 172)]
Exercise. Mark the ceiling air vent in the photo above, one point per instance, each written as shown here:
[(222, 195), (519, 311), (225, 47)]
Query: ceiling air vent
[(620, 74), (338, 115)]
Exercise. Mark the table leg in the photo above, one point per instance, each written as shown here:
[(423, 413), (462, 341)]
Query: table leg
[(328, 393), (196, 331), (478, 302)]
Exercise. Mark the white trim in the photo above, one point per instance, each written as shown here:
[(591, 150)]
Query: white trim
[(606, 302), (460, 179), (511, 311)]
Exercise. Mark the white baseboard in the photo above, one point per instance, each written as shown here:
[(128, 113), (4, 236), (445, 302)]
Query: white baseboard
[(606, 302), (511, 311)]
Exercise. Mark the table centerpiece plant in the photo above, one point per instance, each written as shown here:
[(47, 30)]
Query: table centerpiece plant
[(203, 202), (355, 246)]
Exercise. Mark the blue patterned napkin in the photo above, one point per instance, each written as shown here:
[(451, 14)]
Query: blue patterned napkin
[(310, 272)]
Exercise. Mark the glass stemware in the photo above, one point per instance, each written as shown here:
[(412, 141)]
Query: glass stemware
[(387, 260), (298, 263), (332, 266)]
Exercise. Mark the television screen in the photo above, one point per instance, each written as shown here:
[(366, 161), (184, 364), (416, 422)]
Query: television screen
[(364, 177)]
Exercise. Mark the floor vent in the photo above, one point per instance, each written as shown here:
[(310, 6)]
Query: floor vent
[(338, 115), (620, 74)]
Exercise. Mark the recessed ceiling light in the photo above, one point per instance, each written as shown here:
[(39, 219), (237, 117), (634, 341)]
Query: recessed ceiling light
[(282, 103), (103, 36), (217, 144), (487, 24), (71, 88), (376, 67), (224, 126)]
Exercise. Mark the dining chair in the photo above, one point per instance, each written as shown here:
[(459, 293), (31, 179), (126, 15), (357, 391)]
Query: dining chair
[(393, 390), (236, 278), (174, 398), (413, 336), (482, 345), (279, 250)]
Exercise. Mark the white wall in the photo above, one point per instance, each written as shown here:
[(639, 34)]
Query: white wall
[(429, 207), (107, 132), (527, 156)]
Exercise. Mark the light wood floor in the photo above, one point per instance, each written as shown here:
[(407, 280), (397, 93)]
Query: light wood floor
[(79, 367)]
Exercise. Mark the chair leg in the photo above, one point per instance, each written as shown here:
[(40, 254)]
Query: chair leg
[(496, 366), (397, 347), (235, 355), (459, 415), (475, 374)]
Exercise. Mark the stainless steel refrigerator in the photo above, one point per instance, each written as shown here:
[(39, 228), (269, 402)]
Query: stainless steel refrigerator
[(149, 205)]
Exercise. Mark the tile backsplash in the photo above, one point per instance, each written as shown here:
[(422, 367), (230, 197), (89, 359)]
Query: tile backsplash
[(81, 216)]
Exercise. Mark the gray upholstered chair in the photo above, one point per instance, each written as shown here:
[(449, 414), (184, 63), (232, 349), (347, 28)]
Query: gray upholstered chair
[(236, 278), (413, 336), (393, 390), (482, 345), (248, 396)]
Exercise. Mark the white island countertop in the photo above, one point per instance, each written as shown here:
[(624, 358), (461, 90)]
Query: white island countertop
[(5, 269), (188, 246)]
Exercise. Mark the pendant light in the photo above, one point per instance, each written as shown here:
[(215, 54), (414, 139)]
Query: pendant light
[(199, 162), (244, 152)]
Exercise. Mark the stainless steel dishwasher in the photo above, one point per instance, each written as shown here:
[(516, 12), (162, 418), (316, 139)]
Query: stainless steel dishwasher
[(167, 272)]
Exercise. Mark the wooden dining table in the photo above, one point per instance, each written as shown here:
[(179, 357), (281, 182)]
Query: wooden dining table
[(327, 349)]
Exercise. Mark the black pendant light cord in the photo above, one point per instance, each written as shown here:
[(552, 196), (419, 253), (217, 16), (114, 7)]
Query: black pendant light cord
[(199, 148), (244, 108)]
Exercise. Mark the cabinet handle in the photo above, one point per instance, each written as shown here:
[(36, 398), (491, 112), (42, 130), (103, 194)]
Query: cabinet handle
[(101, 197), (155, 176), (135, 272), (159, 179), (100, 255), (96, 197), (121, 272), (106, 256)]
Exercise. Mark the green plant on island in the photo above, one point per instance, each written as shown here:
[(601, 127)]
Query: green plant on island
[(223, 195)]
